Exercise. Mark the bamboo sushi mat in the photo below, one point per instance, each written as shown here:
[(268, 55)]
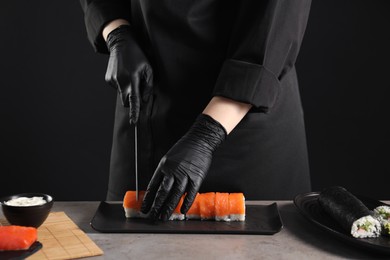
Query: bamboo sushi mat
[(62, 239)]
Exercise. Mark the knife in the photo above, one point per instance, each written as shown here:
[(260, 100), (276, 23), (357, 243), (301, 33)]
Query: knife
[(135, 146), (136, 161)]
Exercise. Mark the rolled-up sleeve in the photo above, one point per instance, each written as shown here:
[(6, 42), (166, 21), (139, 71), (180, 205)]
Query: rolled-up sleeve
[(263, 47), (97, 13)]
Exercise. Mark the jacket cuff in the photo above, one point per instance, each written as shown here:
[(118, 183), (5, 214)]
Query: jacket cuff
[(248, 83), (97, 15)]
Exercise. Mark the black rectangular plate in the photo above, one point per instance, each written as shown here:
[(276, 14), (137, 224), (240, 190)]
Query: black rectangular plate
[(260, 220), (20, 254)]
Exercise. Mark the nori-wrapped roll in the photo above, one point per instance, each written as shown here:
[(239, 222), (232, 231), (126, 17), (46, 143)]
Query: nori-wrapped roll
[(385, 227), (383, 214), (349, 212)]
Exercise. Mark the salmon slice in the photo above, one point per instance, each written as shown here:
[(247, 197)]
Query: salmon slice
[(222, 208), (17, 237), (131, 206), (176, 215), (194, 211), (237, 206), (207, 205)]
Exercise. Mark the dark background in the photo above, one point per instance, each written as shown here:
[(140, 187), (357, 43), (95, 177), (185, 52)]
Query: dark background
[(56, 111)]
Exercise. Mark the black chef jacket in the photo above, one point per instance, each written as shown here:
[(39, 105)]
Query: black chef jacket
[(243, 50)]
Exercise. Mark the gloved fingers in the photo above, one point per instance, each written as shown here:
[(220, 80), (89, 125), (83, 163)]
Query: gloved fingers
[(110, 76), (152, 188), (123, 85), (134, 100), (124, 94), (177, 192), (161, 196), (192, 190), (124, 91), (147, 83)]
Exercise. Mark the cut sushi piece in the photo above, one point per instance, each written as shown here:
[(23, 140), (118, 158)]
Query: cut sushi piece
[(349, 212), (222, 209), (177, 215), (207, 205), (17, 237), (194, 211), (131, 206), (385, 227), (237, 207), (383, 212), (366, 226)]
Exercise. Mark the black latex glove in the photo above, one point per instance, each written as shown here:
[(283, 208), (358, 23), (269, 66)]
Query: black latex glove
[(128, 70), (183, 169)]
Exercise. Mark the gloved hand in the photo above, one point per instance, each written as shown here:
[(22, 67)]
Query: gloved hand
[(183, 169), (128, 70)]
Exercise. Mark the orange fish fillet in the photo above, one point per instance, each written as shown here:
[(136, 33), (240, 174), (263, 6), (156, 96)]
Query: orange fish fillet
[(207, 205), (222, 207), (194, 211), (17, 237)]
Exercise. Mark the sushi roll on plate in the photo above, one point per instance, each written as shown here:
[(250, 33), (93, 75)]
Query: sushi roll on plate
[(383, 214), (132, 206), (385, 228), (237, 207), (222, 209), (349, 212), (206, 206)]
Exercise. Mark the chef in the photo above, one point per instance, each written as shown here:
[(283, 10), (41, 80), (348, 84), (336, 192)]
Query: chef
[(211, 86)]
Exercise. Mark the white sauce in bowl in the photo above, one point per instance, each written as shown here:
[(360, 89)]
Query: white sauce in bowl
[(26, 202)]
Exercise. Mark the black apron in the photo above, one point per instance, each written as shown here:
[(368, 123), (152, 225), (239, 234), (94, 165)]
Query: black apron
[(243, 50)]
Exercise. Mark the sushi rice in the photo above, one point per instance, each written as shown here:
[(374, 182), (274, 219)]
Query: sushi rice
[(366, 226), (177, 216), (134, 213)]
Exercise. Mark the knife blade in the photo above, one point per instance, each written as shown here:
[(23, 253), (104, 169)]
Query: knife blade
[(136, 160)]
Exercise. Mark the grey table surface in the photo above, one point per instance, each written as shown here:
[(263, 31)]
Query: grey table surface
[(299, 239)]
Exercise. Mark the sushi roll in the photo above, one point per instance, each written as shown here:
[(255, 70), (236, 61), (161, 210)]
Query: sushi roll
[(222, 208), (194, 211), (349, 212), (385, 227), (132, 206), (177, 215), (236, 207), (207, 205), (17, 237), (383, 214)]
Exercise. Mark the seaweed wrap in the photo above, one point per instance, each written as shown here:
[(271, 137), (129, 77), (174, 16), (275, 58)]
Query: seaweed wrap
[(349, 212)]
